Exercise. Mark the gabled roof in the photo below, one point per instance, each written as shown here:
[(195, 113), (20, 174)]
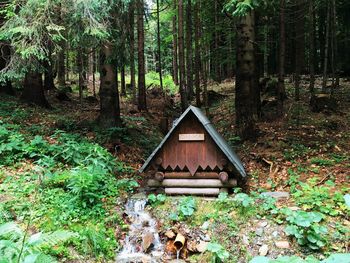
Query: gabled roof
[(218, 139)]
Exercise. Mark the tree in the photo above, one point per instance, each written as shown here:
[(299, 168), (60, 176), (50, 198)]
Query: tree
[(132, 49), (175, 49), (109, 97), (197, 48), (159, 48), (282, 56), (189, 59), (183, 90), (142, 104)]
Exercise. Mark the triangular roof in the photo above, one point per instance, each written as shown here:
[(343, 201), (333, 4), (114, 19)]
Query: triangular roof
[(218, 139)]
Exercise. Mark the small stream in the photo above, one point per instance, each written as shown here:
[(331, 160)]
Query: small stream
[(143, 235)]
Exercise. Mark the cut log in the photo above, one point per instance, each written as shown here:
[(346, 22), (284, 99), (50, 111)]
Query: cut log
[(223, 176), (192, 191), (187, 175), (159, 176), (159, 161), (194, 183)]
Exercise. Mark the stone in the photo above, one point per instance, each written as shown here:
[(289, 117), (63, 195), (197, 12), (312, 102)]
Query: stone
[(245, 240), (263, 250), (202, 246), (170, 234), (262, 224), (294, 208), (191, 245), (277, 195), (259, 231), (275, 234), (147, 241), (205, 238), (282, 244), (205, 225)]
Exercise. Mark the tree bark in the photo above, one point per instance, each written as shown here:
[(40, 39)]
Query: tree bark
[(142, 104), (49, 75), (33, 90), (325, 64), (122, 81), (299, 46), (312, 47), (132, 50), (94, 72), (80, 74), (61, 67), (197, 59), (282, 57), (175, 59), (245, 65), (109, 97), (159, 48), (189, 59), (5, 56), (183, 92)]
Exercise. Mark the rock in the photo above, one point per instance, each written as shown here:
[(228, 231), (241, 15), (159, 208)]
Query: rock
[(275, 234), (282, 244), (170, 234), (205, 225), (294, 208), (205, 238), (263, 250), (245, 240), (202, 246), (262, 224), (277, 195), (259, 232), (147, 241), (191, 245)]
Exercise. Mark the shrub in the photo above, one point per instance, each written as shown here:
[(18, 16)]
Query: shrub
[(305, 227)]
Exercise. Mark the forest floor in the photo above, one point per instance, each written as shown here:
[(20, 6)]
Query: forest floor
[(44, 154)]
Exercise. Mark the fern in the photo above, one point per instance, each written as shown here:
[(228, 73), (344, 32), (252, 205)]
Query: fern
[(14, 247)]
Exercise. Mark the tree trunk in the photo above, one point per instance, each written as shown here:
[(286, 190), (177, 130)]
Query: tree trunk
[(282, 57), (159, 48), (132, 51), (336, 64), (122, 81), (183, 93), (80, 74), (312, 47), (5, 56), (33, 90), (325, 64), (197, 51), (334, 50), (189, 60), (49, 75), (299, 46), (245, 65), (94, 72), (175, 60), (266, 49), (109, 97), (142, 104), (61, 67)]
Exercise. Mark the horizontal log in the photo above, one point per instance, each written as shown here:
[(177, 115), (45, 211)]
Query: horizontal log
[(223, 176), (191, 183), (159, 176), (175, 175), (192, 191)]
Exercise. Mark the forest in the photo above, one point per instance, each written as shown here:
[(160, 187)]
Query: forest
[(92, 92)]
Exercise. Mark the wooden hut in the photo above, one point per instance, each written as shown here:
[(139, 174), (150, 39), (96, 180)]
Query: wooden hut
[(193, 158)]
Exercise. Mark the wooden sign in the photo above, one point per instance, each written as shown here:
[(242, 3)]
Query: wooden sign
[(191, 137)]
